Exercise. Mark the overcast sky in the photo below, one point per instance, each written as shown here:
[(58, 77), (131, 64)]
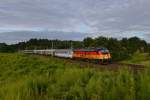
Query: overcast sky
[(117, 18)]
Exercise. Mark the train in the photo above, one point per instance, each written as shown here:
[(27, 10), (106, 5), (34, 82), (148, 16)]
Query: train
[(97, 55)]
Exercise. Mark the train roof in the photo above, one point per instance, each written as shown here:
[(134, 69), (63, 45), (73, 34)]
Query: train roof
[(91, 49), (83, 49)]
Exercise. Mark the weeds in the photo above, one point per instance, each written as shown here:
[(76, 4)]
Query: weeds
[(26, 77)]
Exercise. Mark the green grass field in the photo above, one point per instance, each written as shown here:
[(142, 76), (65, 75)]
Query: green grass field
[(31, 77), (139, 58)]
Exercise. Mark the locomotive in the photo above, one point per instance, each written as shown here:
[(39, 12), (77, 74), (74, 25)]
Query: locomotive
[(98, 55)]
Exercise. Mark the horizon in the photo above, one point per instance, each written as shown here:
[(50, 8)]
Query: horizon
[(60, 39)]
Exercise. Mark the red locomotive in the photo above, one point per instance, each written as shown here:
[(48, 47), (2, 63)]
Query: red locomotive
[(99, 55)]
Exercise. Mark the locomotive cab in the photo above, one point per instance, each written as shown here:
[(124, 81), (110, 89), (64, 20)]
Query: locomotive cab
[(104, 54)]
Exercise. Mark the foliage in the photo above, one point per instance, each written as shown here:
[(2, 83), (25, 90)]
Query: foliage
[(6, 48), (30, 77)]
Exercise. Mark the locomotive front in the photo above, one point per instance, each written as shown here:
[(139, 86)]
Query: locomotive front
[(98, 55), (104, 55)]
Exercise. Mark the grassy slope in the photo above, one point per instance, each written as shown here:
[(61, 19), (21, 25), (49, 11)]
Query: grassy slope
[(28, 77), (139, 58)]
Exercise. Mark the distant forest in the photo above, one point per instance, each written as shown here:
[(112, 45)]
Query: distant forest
[(119, 49)]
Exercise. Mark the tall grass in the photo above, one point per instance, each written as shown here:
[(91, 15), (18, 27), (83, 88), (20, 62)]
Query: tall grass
[(28, 77), (139, 58)]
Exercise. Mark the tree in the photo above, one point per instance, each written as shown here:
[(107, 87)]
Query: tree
[(87, 42)]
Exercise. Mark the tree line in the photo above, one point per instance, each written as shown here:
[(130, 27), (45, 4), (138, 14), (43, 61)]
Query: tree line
[(119, 49)]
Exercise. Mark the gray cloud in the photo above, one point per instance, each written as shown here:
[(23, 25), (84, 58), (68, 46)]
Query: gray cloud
[(20, 36), (115, 18)]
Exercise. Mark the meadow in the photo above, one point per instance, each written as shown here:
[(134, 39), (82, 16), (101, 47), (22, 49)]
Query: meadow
[(139, 58), (32, 77)]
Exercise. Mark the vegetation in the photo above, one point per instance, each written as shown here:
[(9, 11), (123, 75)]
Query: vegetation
[(30, 77), (139, 58), (7, 48), (120, 49)]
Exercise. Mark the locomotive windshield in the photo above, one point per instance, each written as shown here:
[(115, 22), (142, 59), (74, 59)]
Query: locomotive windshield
[(103, 50)]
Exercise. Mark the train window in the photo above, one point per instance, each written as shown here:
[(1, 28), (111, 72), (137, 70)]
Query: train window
[(104, 51)]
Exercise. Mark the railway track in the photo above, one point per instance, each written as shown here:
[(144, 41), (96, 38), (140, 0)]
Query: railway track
[(112, 66), (133, 66)]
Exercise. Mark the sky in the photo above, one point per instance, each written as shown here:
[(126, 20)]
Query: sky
[(110, 18)]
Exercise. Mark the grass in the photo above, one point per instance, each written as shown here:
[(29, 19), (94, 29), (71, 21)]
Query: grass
[(30, 77), (139, 58)]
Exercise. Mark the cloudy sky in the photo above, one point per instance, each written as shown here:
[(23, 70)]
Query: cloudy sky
[(24, 19)]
